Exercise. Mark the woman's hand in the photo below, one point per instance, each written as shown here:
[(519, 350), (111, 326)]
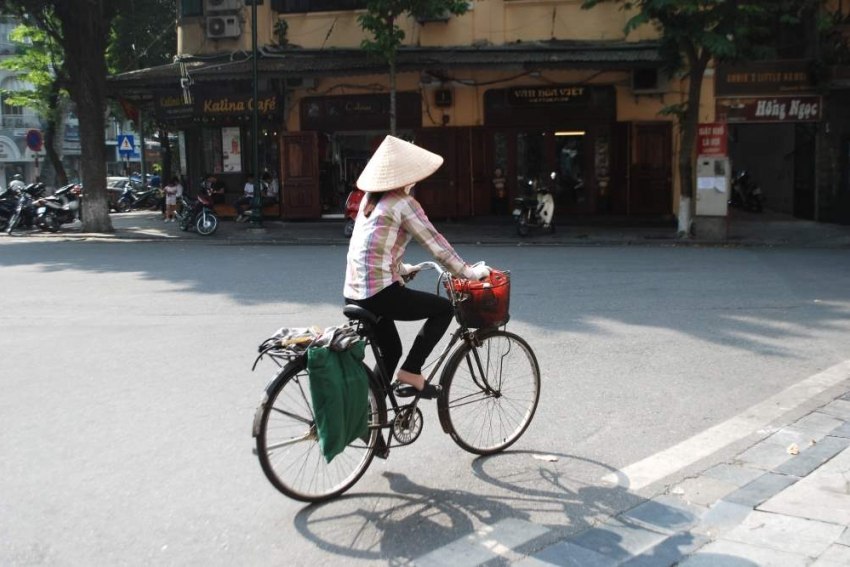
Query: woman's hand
[(477, 271)]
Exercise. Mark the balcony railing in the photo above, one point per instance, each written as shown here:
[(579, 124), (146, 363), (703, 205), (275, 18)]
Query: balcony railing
[(20, 121)]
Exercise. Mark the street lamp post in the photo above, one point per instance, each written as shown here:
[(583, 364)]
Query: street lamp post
[(257, 205)]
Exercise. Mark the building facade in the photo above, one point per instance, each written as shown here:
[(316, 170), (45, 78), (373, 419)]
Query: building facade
[(512, 90)]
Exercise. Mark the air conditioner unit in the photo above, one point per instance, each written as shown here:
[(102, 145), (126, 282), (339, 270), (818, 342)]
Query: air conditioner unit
[(443, 17), (222, 27), (300, 82), (211, 6), (648, 81)]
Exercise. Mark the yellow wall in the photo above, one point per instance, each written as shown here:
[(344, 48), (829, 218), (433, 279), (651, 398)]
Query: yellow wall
[(494, 22)]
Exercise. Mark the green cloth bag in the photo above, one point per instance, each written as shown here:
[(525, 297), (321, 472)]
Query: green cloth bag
[(339, 387)]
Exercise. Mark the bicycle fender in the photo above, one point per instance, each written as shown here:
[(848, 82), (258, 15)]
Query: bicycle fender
[(299, 363)]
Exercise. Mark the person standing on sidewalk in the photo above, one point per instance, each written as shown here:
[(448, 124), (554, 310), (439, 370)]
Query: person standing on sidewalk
[(172, 191)]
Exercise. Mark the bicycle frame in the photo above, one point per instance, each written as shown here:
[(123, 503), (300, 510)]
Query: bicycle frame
[(461, 333)]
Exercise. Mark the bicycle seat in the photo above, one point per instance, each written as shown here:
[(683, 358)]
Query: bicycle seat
[(356, 312)]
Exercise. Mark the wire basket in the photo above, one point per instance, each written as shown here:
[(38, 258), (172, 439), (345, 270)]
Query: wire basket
[(484, 303)]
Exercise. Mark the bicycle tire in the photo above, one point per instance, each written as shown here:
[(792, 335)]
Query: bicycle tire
[(482, 422), (288, 447)]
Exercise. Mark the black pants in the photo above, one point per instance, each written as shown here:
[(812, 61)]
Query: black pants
[(242, 204), (398, 303)]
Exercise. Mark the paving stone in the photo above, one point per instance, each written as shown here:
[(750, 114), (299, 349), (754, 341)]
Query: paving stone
[(703, 490), (837, 408), (733, 554), (566, 554), (835, 556), (788, 435), (722, 517), (822, 495), (785, 533), (845, 538), (664, 514), (817, 422), (668, 552), (764, 455), (842, 430), (813, 457), (761, 489), (736, 474), (618, 540)]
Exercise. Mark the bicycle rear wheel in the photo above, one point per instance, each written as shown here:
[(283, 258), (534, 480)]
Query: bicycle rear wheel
[(288, 443), (490, 392)]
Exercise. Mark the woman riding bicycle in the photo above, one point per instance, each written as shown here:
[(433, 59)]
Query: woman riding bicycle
[(388, 218)]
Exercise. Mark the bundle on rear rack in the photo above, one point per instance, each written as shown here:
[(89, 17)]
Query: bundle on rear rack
[(483, 303)]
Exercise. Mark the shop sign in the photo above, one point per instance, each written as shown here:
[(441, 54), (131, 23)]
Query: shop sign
[(770, 109), (236, 105), (556, 94), (173, 107), (764, 78), (359, 112), (712, 140)]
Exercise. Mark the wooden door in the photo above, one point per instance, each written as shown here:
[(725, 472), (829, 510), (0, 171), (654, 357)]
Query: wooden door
[(651, 172), (439, 193), (299, 175)]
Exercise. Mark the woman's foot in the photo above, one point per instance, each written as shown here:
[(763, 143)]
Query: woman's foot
[(410, 384), (411, 379)]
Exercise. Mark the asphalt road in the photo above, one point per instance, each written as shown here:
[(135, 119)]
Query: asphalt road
[(127, 394)]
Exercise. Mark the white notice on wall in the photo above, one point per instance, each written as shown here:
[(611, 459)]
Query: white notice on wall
[(705, 183)]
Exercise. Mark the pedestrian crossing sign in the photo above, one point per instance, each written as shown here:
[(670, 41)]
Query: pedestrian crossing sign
[(125, 144)]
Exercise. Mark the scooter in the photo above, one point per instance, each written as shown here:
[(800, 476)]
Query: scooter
[(536, 209), (24, 213), (148, 198), (746, 193), (352, 206), (62, 207), (197, 214)]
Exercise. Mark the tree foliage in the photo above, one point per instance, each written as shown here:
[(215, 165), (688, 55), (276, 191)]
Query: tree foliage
[(692, 33), (381, 20)]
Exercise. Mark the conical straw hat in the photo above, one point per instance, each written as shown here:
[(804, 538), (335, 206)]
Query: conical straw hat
[(397, 164)]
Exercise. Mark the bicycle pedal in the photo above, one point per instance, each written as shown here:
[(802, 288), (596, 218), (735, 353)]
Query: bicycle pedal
[(405, 391)]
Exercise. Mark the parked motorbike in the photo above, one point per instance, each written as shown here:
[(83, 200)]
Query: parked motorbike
[(146, 198), (24, 213), (746, 193), (197, 215), (8, 204), (352, 206), (60, 208), (536, 208)]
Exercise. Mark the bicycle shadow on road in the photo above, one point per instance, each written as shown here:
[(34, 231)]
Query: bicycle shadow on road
[(547, 499)]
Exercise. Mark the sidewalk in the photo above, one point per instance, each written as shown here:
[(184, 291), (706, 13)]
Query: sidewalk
[(768, 506), (744, 230)]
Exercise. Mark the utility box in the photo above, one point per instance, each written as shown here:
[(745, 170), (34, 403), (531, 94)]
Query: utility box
[(714, 178)]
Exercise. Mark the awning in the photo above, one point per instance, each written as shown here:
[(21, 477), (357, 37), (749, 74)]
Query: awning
[(306, 63)]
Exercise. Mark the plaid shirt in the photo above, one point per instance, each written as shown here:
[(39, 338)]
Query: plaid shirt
[(378, 244)]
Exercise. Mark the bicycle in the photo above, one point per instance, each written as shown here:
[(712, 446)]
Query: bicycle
[(490, 390)]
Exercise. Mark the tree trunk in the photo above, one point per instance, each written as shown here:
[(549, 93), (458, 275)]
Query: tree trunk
[(53, 121), (392, 97), (687, 139), (85, 31)]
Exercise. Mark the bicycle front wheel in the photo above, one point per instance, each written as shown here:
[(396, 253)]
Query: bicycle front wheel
[(288, 442), (490, 392)]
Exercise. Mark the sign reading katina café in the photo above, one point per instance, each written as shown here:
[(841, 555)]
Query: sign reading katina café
[(207, 107)]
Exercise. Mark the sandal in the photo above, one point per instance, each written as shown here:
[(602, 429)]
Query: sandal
[(429, 392)]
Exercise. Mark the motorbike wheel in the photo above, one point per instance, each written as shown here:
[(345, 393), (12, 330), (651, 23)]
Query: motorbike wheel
[(522, 227), (551, 228), (206, 224), (49, 222), (348, 229), (13, 222), (4, 223), (122, 206)]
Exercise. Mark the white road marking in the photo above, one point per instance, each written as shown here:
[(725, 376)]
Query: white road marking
[(487, 543), (660, 465)]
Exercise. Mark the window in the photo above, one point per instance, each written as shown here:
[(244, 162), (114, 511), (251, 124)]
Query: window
[(189, 8), (296, 6)]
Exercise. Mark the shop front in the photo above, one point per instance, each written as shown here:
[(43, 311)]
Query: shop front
[(214, 137), (773, 111)]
